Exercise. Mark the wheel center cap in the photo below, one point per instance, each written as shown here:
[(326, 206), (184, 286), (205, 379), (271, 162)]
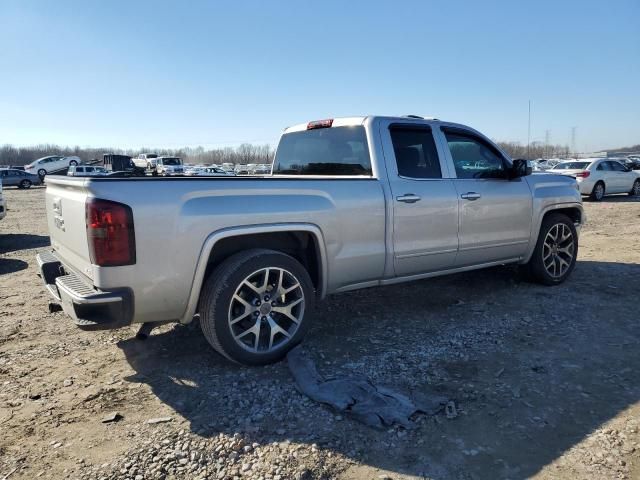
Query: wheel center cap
[(265, 309), (554, 249)]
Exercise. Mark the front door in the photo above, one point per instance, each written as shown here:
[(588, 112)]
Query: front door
[(425, 205), (495, 212)]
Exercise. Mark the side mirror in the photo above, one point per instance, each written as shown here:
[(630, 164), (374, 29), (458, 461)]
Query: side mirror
[(521, 168)]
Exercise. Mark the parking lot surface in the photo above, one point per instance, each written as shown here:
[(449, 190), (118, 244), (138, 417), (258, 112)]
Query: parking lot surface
[(545, 380)]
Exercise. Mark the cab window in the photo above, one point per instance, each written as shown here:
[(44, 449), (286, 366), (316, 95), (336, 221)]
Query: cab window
[(473, 157)]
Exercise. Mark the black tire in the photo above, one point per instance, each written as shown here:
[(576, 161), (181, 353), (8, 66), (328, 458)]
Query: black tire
[(25, 184), (42, 172), (598, 192), (73, 163), (216, 305), (536, 268), (635, 190)]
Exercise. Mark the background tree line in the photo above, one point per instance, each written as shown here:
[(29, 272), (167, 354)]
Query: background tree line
[(245, 153)]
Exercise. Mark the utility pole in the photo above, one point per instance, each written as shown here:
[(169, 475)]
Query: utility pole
[(546, 142), (529, 130)]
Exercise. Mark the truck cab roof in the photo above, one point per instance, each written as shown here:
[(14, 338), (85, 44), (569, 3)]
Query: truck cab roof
[(361, 120)]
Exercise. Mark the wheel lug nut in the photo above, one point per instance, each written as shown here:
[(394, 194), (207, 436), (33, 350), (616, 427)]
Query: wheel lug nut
[(266, 298), (273, 304)]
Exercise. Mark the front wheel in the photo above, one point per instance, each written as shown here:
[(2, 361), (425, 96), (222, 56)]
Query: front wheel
[(42, 172), (554, 256), (635, 190), (73, 163), (254, 306), (25, 184)]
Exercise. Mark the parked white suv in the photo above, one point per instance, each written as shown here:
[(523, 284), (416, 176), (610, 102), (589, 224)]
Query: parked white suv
[(169, 166), (45, 165), (598, 177)]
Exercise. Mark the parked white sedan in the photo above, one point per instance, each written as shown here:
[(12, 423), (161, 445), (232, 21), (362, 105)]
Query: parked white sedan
[(598, 177), (45, 165)]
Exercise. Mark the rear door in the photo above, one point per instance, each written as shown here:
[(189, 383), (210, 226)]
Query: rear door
[(425, 206), (495, 213)]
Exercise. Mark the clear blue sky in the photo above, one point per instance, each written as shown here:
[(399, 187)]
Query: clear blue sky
[(157, 73)]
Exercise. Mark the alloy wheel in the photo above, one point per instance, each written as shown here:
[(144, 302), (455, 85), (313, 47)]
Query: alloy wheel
[(266, 310), (636, 188), (599, 191), (558, 250)]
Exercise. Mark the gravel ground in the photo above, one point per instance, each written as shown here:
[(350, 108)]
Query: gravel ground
[(545, 380)]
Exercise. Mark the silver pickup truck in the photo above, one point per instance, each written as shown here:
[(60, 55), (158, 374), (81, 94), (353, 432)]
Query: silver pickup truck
[(350, 203)]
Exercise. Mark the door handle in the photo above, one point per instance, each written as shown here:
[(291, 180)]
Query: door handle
[(471, 196), (408, 198)]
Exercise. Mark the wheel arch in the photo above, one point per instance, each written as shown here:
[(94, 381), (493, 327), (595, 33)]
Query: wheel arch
[(302, 241), (572, 210)]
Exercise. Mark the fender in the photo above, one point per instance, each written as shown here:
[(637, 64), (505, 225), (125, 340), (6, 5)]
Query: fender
[(537, 222), (218, 235)]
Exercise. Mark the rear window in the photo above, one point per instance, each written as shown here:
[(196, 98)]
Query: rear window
[(324, 151), (572, 166)]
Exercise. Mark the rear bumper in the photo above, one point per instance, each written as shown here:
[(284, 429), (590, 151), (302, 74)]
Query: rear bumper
[(90, 308)]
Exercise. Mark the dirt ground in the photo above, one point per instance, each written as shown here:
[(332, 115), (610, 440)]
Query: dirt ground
[(546, 381)]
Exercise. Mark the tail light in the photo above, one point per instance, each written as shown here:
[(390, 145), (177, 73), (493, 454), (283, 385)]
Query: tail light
[(110, 233), (584, 174)]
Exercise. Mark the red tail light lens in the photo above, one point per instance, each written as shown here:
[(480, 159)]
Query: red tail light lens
[(584, 174), (320, 124), (110, 233)]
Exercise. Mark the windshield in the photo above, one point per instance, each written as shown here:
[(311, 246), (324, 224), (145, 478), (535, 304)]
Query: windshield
[(171, 161), (324, 151), (571, 166)]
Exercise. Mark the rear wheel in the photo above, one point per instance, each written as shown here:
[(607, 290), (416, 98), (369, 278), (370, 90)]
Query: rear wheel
[(597, 194), (73, 163), (554, 256), (254, 306), (635, 190), (25, 184)]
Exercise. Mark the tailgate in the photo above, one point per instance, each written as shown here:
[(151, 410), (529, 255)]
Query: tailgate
[(65, 203)]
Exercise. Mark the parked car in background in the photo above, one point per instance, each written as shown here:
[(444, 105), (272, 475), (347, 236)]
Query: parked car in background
[(52, 163), (3, 203), (209, 172), (598, 177), (241, 169), (146, 160), (632, 163), (167, 166), (227, 166), (262, 169), (351, 203), (19, 178), (86, 171)]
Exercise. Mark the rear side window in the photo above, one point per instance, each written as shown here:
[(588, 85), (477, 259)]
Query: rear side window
[(324, 151), (415, 152)]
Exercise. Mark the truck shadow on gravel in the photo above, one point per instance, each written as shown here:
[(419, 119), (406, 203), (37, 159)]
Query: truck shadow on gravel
[(10, 265), (533, 370), (13, 242)]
